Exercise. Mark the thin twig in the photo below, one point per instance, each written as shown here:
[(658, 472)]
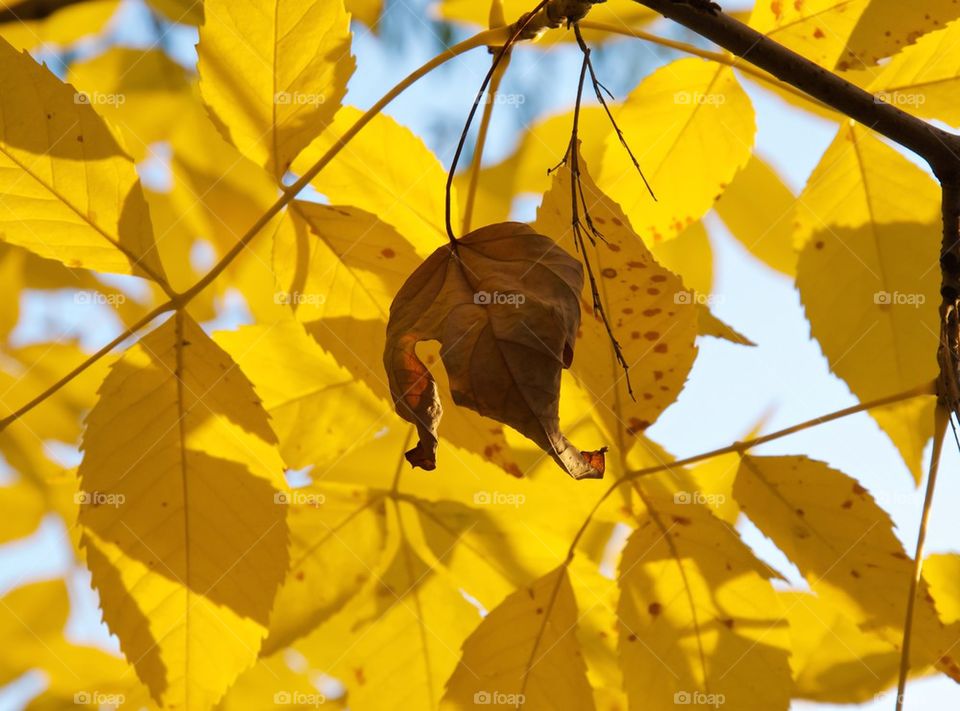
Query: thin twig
[(578, 200), (599, 90)]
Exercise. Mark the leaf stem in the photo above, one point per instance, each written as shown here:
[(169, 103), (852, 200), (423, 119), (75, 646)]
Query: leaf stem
[(179, 301), (940, 429)]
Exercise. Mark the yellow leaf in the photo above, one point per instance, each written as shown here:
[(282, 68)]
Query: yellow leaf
[(29, 616), (317, 409), (834, 661), (709, 325), (652, 315), (525, 653), (182, 508), (141, 94), (668, 120), (870, 236), (272, 683), (72, 194), (24, 507), (487, 548), (861, 180), (713, 480), (887, 26), (406, 192), (942, 572), (699, 621), (217, 191), (758, 209), (816, 29), (690, 256), (397, 642), (367, 11), (872, 306), (336, 536), (923, 79), (295, 60), (844, 545), (32, 622)]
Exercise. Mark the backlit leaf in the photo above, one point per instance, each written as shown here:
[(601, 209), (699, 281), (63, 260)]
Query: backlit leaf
[(297, 60), (525, 653), (699, 621), (72, 193), (668, 120), (182, 490), (844, 545)]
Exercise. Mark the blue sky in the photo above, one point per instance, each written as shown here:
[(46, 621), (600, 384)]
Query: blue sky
[(731, 387)]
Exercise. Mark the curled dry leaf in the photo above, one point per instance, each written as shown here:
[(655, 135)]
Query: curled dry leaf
[(505, 307)]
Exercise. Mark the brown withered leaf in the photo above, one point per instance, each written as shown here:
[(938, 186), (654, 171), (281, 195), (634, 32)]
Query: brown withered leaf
[(505, 308)]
